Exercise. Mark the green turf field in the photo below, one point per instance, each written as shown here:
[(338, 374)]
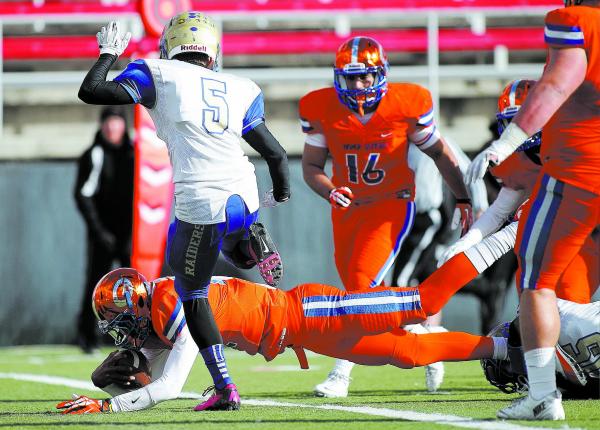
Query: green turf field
[(276, 395)]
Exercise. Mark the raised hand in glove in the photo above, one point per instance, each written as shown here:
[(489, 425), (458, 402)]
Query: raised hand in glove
[(512, 137), (110, 40), (341, 197), (84, 405)]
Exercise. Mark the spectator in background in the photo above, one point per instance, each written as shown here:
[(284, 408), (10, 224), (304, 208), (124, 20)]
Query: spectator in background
[(104, 196)]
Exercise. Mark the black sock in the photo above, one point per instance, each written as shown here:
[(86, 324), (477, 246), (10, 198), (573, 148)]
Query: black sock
[(201, 323)]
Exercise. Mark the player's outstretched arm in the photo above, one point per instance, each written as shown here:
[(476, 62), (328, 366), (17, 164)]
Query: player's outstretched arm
[(564, 73), (166, 386), (263, 142), (95, 89), (507, 203), (169, 384)]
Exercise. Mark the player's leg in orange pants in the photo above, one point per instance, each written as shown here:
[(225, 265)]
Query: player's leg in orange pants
[(363, 327), (442, 284), (317, 310), (402, 349), (580, 279), (367, 240), (553, 231)]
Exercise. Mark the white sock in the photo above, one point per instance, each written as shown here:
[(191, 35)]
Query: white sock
[(541, 372), (500, 348), (343, 367)]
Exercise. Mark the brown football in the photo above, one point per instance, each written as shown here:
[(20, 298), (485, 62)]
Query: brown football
[(138, 361)]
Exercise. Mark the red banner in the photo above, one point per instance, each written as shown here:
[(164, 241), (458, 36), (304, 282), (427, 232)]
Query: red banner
[(156, 14), (152, 197)]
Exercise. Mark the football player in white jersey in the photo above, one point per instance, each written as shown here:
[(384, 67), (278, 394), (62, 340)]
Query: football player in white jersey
[(201, 114), (578, 354)]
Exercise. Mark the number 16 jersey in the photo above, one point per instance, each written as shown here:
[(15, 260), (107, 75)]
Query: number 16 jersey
[(372, 158)]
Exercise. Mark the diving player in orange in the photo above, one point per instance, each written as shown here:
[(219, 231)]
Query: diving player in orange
[(518, 174), (362, 327), (366, 125), (565, 208)]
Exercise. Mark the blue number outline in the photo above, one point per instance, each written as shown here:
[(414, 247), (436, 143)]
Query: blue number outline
[(213, 110)]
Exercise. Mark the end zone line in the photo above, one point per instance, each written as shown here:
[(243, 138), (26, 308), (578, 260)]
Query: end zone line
[(442, 419)]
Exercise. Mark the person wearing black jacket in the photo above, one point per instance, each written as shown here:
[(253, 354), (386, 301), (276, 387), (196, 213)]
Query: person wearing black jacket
[(104, 196)]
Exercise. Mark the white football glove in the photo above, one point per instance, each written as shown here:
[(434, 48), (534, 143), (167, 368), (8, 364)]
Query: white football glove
[(341, 197), (472, 238), (512, 137), (110, 40)]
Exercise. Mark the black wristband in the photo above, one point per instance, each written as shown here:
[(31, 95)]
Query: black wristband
[(467, 201)]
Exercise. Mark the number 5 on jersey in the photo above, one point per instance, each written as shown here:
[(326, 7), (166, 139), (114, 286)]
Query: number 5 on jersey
[(370, 175), (215, 116)]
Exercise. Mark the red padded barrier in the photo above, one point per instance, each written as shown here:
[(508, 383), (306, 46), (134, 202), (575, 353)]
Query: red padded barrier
[(286, 42), (53, 7), (22, 8)]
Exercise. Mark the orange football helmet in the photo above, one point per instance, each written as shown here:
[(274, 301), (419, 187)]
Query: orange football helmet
[(510, 101), (121, 301), (359, 56)]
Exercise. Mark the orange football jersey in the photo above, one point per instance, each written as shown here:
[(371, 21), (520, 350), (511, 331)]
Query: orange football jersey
[(370, 159), (168, 317), (250, 316), (571, 149)]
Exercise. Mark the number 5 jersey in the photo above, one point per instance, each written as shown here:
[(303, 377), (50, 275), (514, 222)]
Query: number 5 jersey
[(201, 115)]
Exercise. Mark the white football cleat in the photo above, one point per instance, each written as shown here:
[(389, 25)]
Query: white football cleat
[(336, 385), (434, 372), (527, 408), (434, 376)]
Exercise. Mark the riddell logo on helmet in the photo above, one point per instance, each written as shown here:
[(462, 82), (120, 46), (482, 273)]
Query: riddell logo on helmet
[(195, 48)]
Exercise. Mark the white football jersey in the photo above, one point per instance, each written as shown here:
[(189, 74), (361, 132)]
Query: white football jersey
[(201, 115), (580, 334)]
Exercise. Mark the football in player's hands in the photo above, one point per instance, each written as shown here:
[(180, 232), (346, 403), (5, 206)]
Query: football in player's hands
[(127, 369), (138, 362)]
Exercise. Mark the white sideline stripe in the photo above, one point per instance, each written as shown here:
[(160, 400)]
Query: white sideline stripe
[(51, 380), (442, 419)]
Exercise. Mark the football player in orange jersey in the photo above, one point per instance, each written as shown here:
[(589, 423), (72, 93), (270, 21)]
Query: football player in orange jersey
[(367, 124), (255, 318), (565, 208), (518, 174)]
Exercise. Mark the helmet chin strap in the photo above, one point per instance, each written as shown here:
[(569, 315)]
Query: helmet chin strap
[(360, 108)]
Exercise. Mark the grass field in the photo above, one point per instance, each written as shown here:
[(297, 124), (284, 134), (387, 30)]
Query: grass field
[(276, 396)]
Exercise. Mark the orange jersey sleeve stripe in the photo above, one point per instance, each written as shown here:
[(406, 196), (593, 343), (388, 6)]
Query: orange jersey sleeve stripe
[(175, 323)]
